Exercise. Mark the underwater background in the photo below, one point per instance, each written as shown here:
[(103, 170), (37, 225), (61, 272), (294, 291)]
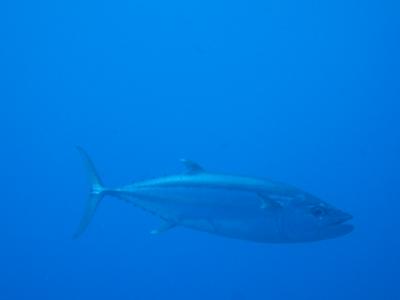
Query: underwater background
[(304, 92)]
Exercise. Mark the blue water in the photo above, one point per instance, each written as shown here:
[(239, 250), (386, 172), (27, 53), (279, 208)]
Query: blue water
[(304, 92)]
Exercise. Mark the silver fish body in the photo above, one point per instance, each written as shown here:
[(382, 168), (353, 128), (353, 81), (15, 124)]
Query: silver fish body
[(233, 206)]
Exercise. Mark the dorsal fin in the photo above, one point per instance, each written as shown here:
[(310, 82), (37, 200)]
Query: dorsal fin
[(191, 166)]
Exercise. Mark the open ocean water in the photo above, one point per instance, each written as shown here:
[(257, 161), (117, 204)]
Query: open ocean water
[(304, 92)]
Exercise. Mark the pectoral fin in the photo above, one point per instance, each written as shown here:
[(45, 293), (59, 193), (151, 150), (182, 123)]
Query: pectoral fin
[(267, 202), (165, 226)]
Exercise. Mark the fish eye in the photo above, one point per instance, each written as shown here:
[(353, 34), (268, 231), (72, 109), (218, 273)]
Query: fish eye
[(318, 211)]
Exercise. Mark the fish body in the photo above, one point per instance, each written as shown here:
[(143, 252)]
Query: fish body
[(238, 207)]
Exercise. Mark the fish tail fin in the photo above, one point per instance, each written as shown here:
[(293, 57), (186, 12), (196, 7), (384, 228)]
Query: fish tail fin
[(97, 192)]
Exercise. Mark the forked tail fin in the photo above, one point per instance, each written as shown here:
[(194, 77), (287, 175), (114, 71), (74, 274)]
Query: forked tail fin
[(97, 192)]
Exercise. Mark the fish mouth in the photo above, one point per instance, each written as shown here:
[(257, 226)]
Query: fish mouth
[(338, 227), (341, 219)]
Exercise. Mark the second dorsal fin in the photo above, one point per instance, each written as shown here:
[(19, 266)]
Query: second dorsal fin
[(191, 166)]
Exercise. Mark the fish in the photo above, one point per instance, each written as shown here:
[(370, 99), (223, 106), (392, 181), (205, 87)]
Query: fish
[(237, 207)]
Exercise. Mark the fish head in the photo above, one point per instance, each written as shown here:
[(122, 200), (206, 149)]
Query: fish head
[(306, 219)]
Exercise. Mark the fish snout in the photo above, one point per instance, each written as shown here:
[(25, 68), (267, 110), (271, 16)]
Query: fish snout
[(341, 217)]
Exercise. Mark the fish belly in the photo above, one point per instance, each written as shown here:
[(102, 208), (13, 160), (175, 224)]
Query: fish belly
[(226, 212)]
